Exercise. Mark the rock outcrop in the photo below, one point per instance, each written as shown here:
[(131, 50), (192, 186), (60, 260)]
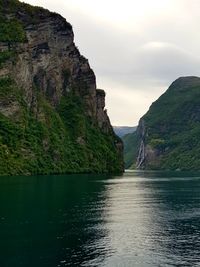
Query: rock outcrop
[(168, 134), (51, 87)]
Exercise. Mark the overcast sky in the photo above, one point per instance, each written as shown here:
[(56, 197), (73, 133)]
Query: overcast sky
[(135, 47)]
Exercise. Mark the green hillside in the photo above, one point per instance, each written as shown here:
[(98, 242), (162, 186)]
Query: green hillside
[(170, 129)]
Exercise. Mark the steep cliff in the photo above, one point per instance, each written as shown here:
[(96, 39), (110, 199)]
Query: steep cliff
[(168, 134), (52, 117)]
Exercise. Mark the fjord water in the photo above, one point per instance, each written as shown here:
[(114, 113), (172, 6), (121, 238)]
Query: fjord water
[(138, 219)]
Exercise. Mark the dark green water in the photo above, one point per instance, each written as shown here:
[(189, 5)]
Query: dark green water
[(139, 219)]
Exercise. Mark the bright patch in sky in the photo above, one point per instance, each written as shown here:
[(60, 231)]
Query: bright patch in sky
[(119, 11)]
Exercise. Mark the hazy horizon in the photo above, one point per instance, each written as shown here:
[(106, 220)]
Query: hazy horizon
[(136, 49)]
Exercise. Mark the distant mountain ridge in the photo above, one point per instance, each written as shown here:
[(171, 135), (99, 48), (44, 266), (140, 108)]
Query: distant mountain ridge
[(123, 130), (127, 135)]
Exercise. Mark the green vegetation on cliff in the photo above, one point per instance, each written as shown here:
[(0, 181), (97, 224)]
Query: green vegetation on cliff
[(11, 31), (172, 128), (51, 142), (51, 117)]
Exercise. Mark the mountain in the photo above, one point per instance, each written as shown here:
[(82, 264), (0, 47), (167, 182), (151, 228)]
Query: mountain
[(128, 136), (168, 134), (52, 117), (123, 130), (130, 142)]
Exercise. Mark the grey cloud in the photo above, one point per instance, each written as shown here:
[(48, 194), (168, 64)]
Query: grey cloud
[(165, 61), (122, 56)]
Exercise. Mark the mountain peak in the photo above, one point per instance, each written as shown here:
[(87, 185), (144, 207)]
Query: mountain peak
[(185, 82)]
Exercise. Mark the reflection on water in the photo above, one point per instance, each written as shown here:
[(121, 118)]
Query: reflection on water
[(138, 219)]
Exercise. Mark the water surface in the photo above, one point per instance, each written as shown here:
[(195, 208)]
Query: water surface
[(138, 219)]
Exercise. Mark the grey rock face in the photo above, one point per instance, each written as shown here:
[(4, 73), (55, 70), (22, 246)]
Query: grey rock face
[(102, 117), (141, 131), (50, 62)]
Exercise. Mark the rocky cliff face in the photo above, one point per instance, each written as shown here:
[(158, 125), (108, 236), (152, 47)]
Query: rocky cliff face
[(51, 84), (147, 154), (49, 60), (168, 134)]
